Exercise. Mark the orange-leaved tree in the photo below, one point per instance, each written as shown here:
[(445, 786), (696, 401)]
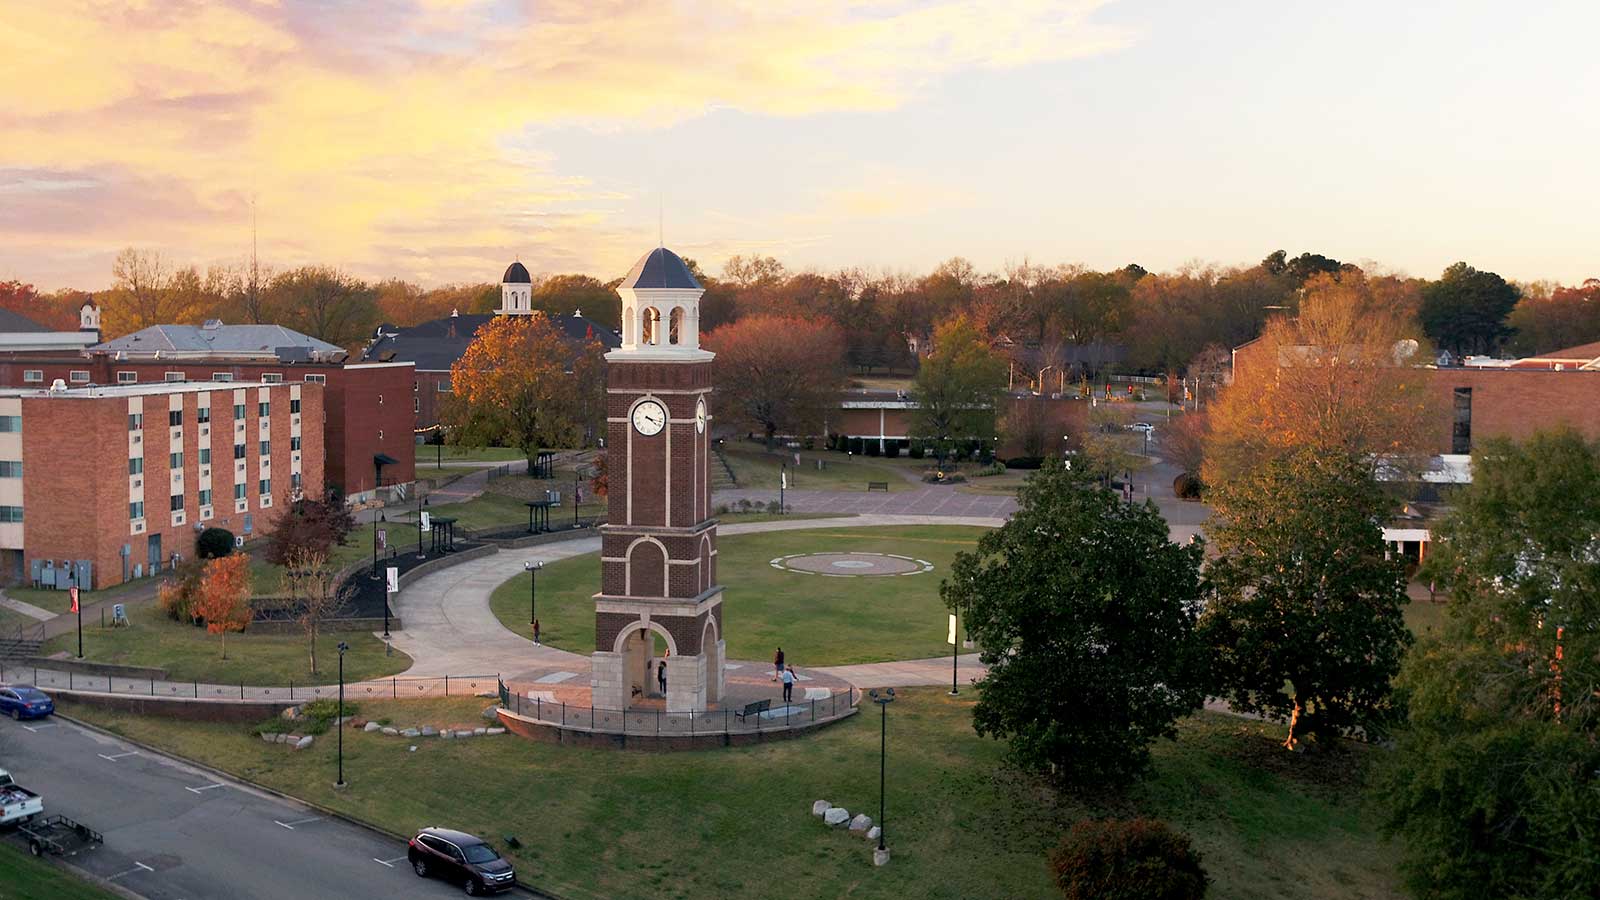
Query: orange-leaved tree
[(512, 387), (778, 374), (224, 596)]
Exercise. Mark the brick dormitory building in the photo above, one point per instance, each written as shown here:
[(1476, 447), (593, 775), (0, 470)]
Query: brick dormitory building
[(102, 484)]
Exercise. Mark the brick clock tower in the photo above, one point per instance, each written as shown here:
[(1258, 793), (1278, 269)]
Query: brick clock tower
[(658, 556)]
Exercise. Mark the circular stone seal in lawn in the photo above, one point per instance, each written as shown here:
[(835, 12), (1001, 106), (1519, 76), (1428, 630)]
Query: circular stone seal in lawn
[(849, 565)]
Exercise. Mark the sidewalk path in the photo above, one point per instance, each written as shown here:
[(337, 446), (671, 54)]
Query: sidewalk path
[(910, 672), (27, 609)]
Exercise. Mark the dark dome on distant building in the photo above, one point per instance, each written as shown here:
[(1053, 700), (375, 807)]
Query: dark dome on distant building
[(516, 273), (660, 268)]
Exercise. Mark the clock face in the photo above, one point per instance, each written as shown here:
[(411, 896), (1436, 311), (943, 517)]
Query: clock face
[(649, 418), (700, 416)]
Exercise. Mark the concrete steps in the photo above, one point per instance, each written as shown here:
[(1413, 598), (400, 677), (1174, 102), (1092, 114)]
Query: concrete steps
[(721, 473)]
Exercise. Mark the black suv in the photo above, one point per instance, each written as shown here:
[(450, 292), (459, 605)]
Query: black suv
[(462, 858)]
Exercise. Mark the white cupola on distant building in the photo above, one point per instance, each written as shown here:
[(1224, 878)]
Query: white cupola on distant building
[(661, 309), (89, 317), (516, 291)]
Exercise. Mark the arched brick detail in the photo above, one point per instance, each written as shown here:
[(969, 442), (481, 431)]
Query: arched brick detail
[(647, 568)]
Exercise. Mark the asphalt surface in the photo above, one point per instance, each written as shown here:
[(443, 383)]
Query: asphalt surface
[(175, 833)]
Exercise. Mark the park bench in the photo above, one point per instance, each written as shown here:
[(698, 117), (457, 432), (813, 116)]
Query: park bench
[(878, 486), (753, 709)]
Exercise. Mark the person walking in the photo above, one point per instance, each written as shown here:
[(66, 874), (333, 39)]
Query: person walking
[(777, 664), (536, 632), (661, 676), (788, 684)]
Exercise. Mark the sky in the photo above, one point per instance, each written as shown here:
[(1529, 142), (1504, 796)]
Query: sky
[(438, 140)]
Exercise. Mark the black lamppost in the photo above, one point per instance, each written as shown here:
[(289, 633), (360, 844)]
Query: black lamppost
[(576, 474), (783, 482), (532, 569), (340, 717), (382, 518), (883, 700), (77, 604), (421, 502), (955, 637)]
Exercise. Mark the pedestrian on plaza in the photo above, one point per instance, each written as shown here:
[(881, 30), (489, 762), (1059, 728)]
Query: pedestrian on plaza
[(661, 676), (777, 664), (788, 684), (536, 632)]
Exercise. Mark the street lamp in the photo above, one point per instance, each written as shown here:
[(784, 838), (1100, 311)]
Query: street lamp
[(340, 717), (532, 568), (955, 636), (783, 482), (382, 518), (883, 700)]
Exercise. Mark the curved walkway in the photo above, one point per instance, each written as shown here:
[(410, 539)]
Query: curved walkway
[(449, 627)]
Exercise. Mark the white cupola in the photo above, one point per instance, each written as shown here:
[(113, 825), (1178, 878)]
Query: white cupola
[(660, 310), (516, 291)]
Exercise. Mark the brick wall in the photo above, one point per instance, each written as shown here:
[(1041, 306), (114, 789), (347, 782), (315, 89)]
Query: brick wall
[(1516, 403)]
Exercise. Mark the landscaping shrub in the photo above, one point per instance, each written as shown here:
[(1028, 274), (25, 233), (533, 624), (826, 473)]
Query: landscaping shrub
[(1187, 487), (872, 448), (1141, 859), (722, 509), (917, 451), (177, 595), (891, 449), (994, 468), (319, 714), (213, 543), (1025, 462), (773, 507)]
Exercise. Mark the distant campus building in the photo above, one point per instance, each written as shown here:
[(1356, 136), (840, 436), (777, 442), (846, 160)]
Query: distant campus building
[(433, 347)]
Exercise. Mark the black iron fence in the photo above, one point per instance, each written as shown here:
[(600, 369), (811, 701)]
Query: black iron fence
[(735, 718), (398, 687)]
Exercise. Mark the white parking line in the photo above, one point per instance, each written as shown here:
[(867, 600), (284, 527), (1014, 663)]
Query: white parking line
[(35, 728), (116, 756), (387, 862), (137, 866), (291, 825), (204, 787)]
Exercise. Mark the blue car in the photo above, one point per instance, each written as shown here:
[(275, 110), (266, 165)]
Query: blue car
[(24, 701)]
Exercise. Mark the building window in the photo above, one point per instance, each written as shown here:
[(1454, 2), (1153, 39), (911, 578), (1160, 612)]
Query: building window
[(294, 443), (203, 415), (380, 399), (416, 386), (316, 379), (238, 411), (221, 376), (10, 514), (10, 424), (238, 491), (174, 376), (1461, 429), (205, 456), (266, 487), (136, 466), (127, 377), (177, 503), (135, 421), (238, 451), (205, 497), (10, 468), (380, 434), (294, 405), (264, 408), (175, 460), (266, 448), (174, 417), (294, 480), (444, 386), (416, 404), (136, 509), (79, 376), (271, 378), (32, 375)]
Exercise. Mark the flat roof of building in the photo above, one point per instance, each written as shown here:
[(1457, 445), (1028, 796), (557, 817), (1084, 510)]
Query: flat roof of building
[(151, 389)]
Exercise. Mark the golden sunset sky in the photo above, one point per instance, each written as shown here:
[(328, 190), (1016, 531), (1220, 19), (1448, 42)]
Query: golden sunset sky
[(436, 140)]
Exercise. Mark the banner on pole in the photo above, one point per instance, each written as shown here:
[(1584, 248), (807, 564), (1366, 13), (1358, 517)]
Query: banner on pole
[(785, 479), (394, 580), (383, 539), (73, 593), (951, 637), (427, 522)]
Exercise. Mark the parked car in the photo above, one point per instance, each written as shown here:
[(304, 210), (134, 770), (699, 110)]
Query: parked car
[(17, 803), (462, 858), (1145, 427), (24, 701)]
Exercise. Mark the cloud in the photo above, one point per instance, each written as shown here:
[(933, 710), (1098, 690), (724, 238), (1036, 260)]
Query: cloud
[(363, 128)]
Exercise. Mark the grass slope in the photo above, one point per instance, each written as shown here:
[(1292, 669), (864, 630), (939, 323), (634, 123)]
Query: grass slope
[(819, 621), (24, 878), (736, 823)]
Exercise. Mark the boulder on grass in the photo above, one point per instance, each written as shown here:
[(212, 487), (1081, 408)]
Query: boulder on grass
[(428, 731), (861, 822), (372, 726), (411, 732), (874, 833), (820, 807), (836, 816), (495, 731), (390, 731), (304, 742)]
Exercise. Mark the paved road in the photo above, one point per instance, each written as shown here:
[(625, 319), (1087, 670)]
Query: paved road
[(172, 832)]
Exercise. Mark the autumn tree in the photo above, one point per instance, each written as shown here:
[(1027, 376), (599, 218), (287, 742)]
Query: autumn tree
[(565, 295), (1026, 423), (45, 310), (1465, 311), (1338, 378), (1492, 780), (958, 387), (147, 291), (224, 596), (1556, 319), (778, 374), (1304, 613), (314, 526), (512, 388), (1085, 614), (1183, 442), (313, 594), (326, 304)]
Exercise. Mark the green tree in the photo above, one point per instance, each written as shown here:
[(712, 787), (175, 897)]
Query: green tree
[(957, 387), (1465, 311), (1493, 782), (563, 295), (326, 304), (1304, 612), (1086, 614)]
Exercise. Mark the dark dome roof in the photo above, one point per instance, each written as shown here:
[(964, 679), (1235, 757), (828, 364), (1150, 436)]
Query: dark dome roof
[(660, 268), (516, 273)]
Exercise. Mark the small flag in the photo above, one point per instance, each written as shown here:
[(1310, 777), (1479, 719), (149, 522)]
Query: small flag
[(73, 593), (785, 479), (951, 637), (383, 539), (394, 579)]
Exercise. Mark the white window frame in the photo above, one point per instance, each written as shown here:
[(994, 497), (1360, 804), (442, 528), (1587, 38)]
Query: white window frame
[(78, 376), (32, 376), (221, 376), (272, 378), (316, 379), (173, 377), (127, 378)]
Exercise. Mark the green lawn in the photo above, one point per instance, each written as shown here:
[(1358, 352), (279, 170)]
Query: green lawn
[(737, 823), (24, 878), (757, 469), (452, 453), (819, 621), (59, 602), (189, 653), (267, 578)]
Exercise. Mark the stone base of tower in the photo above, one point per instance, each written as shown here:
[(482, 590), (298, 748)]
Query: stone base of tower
[(609, 685)]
